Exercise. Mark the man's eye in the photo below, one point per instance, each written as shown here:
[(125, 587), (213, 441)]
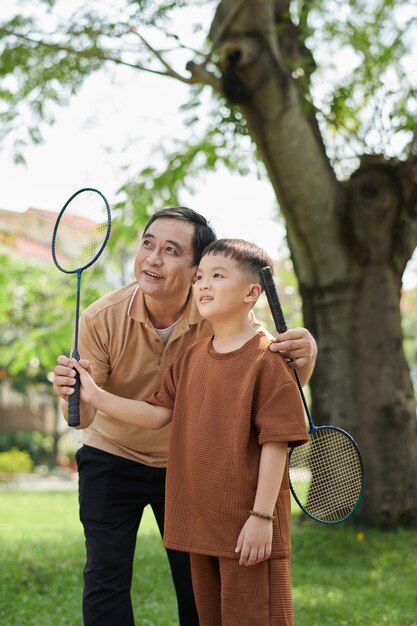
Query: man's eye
[(145, 243), (170, 250)]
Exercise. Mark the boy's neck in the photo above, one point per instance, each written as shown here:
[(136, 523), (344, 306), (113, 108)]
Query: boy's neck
[(232, 334)]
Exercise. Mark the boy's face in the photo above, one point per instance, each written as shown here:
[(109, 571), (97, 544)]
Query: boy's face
[(221, 288)]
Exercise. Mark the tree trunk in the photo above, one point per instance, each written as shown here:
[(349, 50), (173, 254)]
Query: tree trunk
[(349, 243)]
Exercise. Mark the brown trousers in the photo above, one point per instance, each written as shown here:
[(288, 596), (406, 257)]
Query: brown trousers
[(229, 594)]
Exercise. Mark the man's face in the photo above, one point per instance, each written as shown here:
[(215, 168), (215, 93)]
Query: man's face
[(163, 262)]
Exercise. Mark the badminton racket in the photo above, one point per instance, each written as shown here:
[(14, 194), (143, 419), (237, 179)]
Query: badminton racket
[(81, 232), (326, 473)]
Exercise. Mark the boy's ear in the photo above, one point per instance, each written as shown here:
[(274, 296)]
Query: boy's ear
[(253, 293)]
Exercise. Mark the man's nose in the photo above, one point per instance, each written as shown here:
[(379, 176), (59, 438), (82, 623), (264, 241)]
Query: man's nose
[(154, 257)]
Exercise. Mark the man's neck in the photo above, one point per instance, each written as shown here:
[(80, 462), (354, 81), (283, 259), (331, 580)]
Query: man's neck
[(164, 314)]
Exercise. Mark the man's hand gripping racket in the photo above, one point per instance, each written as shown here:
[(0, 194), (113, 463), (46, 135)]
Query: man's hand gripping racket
[(326, 473), (81, 232)]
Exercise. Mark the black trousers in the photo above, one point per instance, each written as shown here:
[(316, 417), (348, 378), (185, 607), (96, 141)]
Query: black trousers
[(113, 492)]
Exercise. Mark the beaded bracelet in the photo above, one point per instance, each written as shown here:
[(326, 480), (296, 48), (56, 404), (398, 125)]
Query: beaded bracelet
[(263, 515)]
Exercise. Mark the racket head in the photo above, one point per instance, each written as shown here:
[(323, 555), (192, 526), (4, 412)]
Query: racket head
[(81, 230), (327, 475)]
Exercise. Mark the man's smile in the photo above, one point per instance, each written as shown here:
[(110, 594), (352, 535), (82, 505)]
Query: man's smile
[(152, 274)]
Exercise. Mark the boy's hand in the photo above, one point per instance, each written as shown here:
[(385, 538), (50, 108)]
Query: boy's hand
[(255, 541), (64, 376), (88, 388)]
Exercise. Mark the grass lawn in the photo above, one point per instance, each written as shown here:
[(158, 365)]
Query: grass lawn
[(341, 577)]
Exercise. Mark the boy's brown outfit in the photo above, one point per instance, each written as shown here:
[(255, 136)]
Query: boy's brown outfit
[(225, 407)]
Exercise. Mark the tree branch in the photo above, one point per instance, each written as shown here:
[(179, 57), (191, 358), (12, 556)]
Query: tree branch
[(199, 72), (92, 54)]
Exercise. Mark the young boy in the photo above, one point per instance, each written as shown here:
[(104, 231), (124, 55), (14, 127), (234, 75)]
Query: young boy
[(235, 407)]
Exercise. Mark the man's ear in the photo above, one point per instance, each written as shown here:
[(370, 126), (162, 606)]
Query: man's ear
[(253, 293)]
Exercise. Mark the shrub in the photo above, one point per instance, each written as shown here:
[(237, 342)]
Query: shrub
[(37, 444), (14, 462)]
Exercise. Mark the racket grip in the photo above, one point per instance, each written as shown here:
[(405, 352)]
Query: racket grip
[(74, 398), (273, 300)]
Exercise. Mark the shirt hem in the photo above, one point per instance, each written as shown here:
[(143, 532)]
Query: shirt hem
[(172, 545)]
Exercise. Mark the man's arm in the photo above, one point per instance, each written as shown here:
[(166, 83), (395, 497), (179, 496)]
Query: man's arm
[(255, 539), (133, 412)]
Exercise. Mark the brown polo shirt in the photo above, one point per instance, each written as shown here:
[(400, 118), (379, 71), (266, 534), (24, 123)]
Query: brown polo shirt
[(129, 359)]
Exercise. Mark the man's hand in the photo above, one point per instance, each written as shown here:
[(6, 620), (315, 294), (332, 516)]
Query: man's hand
[(255, 541), (298, 346)]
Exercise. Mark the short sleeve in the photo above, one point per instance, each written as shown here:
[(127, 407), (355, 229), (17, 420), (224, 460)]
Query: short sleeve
[(279, 412), (91, 346), (165, 396)]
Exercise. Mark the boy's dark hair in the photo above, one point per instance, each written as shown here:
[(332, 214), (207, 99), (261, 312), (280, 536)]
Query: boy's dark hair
[(247, 255), (203, 232)]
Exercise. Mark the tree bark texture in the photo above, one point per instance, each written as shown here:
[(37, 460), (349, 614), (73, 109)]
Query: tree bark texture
[(349, 241)]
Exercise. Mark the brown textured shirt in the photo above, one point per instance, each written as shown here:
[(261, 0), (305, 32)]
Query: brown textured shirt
[(225, 406)]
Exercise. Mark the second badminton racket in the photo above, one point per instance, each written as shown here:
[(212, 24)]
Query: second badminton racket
[(326, 473)]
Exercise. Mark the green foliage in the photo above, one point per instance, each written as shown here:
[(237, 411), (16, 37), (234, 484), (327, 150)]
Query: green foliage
[(38, 445), (14, 462), (37, 306), (363, 90)]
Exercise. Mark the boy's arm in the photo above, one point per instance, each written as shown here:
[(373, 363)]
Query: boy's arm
[(129, 411), (255, 539)]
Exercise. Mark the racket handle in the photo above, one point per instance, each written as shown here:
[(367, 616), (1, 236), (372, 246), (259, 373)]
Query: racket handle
[(276, 311), (273, 300), (74, 399)]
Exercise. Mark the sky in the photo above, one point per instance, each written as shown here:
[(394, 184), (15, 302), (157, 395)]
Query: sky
[(111, 129)]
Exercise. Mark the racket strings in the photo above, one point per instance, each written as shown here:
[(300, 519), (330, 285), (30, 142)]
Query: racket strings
[(326, 475), (81, 231)]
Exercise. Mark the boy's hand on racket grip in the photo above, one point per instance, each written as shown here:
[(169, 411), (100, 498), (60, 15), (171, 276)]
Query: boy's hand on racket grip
[(88, 389), (255, 541), (64, 376)]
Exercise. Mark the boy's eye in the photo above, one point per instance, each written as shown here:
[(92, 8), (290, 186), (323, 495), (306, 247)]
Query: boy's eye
[(217, 275), (197, 278)]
